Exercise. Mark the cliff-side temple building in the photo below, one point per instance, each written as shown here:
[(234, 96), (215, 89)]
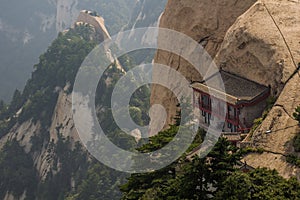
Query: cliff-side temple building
[(243, 102)]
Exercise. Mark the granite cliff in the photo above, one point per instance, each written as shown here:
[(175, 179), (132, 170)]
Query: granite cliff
[(258, 40), (206, 22), (263, 45)]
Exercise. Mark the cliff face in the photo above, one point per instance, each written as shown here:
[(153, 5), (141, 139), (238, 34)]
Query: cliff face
[(278, 143), (258, 40), (205, 21), (263, 45), (62, 123), (146, 13)]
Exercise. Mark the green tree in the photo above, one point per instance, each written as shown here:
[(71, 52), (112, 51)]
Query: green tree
[(223, 159), (183, 179), (296, 114), (3, 110), (296, 142), (258, 184), (17, 171), (16, 102), (101, 182)]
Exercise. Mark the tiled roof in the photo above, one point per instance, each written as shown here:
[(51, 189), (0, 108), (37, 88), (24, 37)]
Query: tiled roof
[(235, 88)]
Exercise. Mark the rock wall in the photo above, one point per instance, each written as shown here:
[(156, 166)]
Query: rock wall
[(23, 133), (263, 44), (283, 127), (207, 22), (62, 123), (258, 40)]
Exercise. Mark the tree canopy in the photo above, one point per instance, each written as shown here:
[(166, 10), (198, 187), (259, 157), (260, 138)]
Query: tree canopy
[(216, 176)]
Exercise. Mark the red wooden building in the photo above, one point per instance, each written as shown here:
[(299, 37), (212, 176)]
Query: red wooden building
[(243, 101)]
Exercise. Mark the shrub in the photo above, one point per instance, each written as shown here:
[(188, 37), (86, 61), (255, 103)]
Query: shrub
[(296, 143), (296, 114)]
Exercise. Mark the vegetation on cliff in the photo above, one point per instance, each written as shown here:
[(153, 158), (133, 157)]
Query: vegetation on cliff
[(17, 172), (57, 67), (217, 176), (297, 114), (73, 170)]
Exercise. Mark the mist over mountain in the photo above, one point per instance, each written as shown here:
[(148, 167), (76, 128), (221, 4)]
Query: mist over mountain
[(28, 27), (48, 161)]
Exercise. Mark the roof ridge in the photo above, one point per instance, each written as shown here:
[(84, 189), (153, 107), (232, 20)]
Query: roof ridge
[(241, 77)]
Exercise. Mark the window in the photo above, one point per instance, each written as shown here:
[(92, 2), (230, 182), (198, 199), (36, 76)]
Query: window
[(229, 125), (229, 108), (234, 112), (235, 128), (207, 118), (205, 101), (231, 112)]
